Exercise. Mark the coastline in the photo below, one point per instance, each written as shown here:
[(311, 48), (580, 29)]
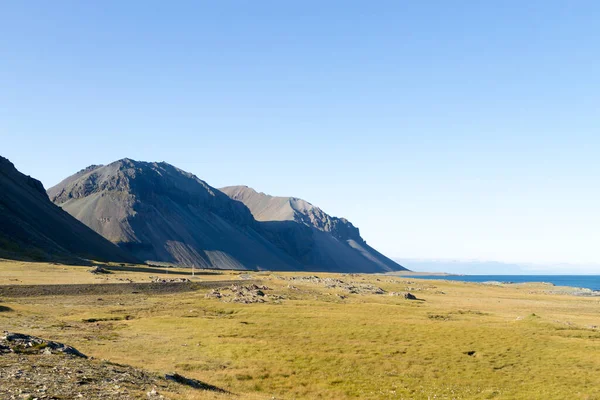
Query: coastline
[(574, 290), (417, 273)]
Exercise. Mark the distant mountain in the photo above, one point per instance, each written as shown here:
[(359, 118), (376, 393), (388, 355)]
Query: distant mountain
[(311, 236), (33, 228), (161, 213)]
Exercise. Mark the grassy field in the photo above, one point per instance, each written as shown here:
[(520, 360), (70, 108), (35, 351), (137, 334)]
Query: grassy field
[(459, 341)]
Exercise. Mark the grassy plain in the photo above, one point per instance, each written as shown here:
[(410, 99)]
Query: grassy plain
[(459, 341)]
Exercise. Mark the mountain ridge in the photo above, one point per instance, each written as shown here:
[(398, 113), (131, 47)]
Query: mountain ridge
[(265, 207), (329, 243)]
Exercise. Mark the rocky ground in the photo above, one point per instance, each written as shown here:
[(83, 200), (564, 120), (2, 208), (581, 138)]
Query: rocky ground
[(34, 368), (351, 287), (246, 294)]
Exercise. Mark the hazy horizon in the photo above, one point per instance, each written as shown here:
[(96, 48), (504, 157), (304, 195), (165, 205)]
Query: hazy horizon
[(491, 267), (442, 131)]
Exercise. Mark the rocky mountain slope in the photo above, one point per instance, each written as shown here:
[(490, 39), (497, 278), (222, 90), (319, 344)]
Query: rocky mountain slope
[(314, 238), (161, 213), (32, 227)]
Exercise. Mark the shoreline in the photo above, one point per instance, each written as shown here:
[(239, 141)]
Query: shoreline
[(560, 289)]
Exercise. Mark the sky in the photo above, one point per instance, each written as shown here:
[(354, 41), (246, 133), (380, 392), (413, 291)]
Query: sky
[(458, 130)]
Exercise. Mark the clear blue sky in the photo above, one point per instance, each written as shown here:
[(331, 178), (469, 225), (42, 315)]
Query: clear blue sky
[(443, 129)]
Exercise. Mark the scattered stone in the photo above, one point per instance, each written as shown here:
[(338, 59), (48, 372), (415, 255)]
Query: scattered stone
[(157, 279), (52, 370), (246, 294), (99, 270), (215, 293), (243, 294), (26, 344), (351, 287), (153, 394), (406, 295), (439, 317), (410, 296)]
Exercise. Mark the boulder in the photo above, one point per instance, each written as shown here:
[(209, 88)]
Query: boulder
[(21, 343), (410, 296)]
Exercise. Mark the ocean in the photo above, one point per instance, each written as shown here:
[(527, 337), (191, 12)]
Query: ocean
[(581, 281)]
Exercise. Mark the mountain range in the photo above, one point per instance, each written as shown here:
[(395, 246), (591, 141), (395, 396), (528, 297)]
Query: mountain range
[(156, 212)]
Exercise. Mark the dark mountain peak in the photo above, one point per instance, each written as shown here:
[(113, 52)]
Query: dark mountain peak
[(10, 171), (5, 163), (149, 170), (145, 181), (126, 161), (31, 227)]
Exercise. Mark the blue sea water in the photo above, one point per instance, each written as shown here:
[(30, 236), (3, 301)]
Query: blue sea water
[(581, 281)]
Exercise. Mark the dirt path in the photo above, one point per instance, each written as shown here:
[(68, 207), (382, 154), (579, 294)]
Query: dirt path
[(110, 288)]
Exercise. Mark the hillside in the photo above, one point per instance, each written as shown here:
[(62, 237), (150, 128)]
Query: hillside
[(314, 238), (161, 213), (33, 228)]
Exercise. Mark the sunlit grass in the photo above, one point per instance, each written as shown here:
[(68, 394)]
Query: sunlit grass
[(474, 341)]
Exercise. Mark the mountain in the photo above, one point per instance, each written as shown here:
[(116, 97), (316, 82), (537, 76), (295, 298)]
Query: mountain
[(314, 238), (33, 228), (161, 213)]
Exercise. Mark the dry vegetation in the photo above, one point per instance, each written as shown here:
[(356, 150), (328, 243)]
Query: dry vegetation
[(312, 341)]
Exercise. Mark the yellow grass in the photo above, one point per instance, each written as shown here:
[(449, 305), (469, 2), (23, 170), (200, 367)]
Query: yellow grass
[(470, 342)]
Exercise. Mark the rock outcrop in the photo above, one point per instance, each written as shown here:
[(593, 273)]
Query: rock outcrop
[(36, 368), (26, 344)]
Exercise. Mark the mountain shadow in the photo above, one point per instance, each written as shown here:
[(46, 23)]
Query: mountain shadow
[(315, 239), (33, 228)]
